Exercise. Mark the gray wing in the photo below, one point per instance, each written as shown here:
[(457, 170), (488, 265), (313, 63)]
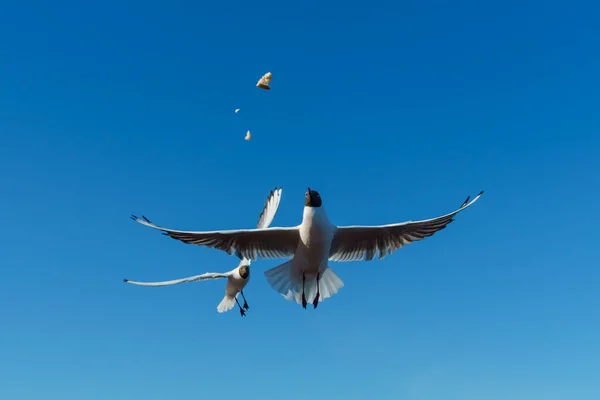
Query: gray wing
[(196, 278), (244, 243), (356, 243), (270, 209), (266, 216)]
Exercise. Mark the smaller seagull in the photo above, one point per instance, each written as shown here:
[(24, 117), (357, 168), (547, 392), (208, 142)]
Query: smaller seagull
[(237, 278), (248, 136), (264, 81), (237, 110), (236, 281)]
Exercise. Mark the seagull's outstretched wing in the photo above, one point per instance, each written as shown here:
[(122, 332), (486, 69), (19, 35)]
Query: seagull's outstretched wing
[(266, 216), (196, 278), (244, 243), (270, 209), (356, 243)]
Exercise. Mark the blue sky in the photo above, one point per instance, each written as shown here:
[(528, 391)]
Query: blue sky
[(391, 110)]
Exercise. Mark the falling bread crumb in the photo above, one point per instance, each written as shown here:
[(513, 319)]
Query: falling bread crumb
[(264, 82)]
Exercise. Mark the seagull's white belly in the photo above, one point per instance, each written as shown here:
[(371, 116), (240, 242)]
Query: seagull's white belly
[(315, 242), (235, 285)]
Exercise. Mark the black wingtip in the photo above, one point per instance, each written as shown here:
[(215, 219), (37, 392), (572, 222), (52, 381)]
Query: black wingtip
[(125, 280), (465, 202), (480, 193), (146, 219), (133, 217)]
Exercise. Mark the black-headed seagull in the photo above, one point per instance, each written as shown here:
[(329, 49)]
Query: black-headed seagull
[(237, 278), (307, 276)]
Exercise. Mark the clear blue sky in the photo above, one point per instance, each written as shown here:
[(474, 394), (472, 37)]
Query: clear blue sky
[(391, 110)]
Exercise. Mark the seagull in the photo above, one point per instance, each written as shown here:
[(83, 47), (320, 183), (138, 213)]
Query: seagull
[(237, 278), (307, 275)]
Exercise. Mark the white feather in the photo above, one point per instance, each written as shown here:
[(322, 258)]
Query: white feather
[(226, 304)]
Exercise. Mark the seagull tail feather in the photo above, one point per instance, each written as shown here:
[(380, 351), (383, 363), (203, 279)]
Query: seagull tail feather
[(287, 281), (226, 304), (329, 283)]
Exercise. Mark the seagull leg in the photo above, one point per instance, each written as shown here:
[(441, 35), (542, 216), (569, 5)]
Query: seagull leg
[(316, 300), (241, 309), (303, 295), (246, 306)]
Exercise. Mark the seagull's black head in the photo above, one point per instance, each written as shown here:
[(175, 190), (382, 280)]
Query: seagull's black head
[(312, 199), (245, 271)]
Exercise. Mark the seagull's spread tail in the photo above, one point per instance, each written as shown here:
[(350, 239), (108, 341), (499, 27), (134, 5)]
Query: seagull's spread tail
[(226, 304), (287, 281)]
